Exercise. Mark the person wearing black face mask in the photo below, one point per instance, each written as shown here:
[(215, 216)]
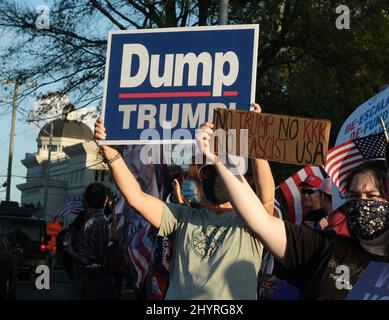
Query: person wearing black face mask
[(367, 210), (215, 255), (322, 265), (213, 189)]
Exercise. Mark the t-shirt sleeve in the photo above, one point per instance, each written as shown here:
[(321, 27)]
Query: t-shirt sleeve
[(305, 250), (172, 215)]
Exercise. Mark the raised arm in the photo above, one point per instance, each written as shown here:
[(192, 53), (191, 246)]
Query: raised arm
[(264, 183), (263, 178), (148, 206), (269, 229)]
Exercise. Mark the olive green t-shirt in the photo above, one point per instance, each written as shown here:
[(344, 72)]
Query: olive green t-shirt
[(214, 255)]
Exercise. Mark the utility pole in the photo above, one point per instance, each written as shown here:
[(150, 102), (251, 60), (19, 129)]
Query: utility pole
[(11, 142), (223, 12), (19, 81), (47, 176)]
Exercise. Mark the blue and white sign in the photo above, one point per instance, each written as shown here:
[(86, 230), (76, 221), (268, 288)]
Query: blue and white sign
[(364, 121), (161, 84), (373, 284)]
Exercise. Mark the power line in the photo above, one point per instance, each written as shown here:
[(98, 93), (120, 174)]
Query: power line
[(76, 170), (17, 134)]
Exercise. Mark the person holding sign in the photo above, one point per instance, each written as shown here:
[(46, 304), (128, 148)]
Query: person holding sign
[(320, 264), (215, 256)]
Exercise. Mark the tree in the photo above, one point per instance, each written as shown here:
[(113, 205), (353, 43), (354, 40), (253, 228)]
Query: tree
[(69, 56), (305, 65)]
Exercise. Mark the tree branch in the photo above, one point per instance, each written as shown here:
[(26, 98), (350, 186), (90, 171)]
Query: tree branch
[(97, 5), (121, 15)]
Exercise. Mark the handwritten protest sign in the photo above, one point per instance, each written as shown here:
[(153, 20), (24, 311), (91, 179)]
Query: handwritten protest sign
[(273, 137)]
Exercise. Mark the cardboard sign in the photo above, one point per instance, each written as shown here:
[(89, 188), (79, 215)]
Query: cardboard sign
[(161, 84), (278, 138), (373, 284), (364, 121)]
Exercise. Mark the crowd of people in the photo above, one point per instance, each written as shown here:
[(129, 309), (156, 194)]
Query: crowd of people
[(220, 225)]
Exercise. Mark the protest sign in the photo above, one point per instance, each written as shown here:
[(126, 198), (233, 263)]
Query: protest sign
[(364, 121), (373, 284), (161, 84), (273, 137)]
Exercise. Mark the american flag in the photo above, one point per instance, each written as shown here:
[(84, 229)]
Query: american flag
[(288, 197), (72, 207), (344, 158), (138, 236)]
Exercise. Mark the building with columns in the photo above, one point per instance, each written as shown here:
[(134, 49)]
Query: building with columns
[(75, 163)]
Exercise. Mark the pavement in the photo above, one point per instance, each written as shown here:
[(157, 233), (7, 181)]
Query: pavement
[(60, 286)]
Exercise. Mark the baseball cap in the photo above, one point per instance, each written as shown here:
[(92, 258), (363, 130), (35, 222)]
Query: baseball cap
[(326, 186), (311, 181)]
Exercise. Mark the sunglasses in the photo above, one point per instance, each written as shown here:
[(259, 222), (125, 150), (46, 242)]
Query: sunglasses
[(309, 191)]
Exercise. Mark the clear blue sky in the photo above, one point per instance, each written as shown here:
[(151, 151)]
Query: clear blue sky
[(26, 134)]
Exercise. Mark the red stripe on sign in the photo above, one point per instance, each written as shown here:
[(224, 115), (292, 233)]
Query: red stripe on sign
[(164, 94), (230, 93)]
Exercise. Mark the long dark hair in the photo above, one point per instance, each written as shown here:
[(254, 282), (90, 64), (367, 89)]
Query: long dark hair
[(377, 168)]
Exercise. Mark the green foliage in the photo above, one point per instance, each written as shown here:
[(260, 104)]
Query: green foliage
[(306, 66)]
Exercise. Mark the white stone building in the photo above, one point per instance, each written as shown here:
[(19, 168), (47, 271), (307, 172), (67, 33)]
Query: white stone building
[(75, 163)]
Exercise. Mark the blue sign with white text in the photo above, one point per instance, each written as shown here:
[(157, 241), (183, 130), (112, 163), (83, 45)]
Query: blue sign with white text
[(161, 84), (373, 284)]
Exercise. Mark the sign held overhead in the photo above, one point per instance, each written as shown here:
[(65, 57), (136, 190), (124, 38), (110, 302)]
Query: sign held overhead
[(274, 137), (162, 84)]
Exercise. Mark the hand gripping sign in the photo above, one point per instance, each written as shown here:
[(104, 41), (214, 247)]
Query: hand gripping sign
[(280, 138), (161, 84)]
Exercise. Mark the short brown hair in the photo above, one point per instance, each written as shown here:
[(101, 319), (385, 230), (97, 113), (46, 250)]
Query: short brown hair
[(95, 195)]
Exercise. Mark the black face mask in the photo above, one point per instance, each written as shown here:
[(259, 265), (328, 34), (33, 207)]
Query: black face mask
[(215, 191), (368, 219)]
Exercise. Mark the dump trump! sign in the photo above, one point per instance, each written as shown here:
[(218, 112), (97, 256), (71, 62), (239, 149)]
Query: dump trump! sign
[(161, 84)]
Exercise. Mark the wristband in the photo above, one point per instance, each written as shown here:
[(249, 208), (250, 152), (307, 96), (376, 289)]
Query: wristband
[(113, 159)]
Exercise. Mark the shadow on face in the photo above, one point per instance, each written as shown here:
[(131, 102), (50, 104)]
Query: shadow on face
[(365, 186), (310, 197)]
